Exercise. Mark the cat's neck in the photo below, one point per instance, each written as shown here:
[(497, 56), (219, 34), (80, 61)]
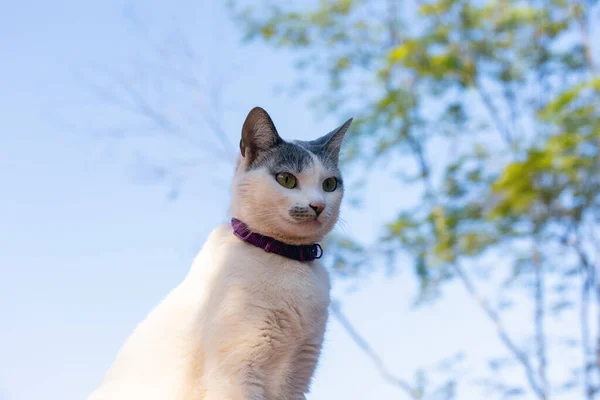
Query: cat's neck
[(298, 252)]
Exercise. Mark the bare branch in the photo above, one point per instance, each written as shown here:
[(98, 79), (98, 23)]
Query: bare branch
[(585, 336), (140, 92), (503, 334), (540, 336), (589, 281), (580, 17), (123, 94), (493, 112), (375, 358), (393, 21)]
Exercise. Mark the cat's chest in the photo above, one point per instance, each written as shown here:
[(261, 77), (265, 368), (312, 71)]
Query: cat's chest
[(276, 276), (228, 263)]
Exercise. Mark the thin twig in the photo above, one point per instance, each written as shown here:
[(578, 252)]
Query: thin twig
[(126, 95), (375, 358), (585, 335), (540, 336), (585, 37), (393, 21), (596, 274), (493, 112), (503, 334), (589, 279)]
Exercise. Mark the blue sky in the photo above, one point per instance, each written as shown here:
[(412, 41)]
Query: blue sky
[(89, 242)]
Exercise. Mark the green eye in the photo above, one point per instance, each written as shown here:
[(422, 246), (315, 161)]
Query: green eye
[(330, 184), (286, 180)]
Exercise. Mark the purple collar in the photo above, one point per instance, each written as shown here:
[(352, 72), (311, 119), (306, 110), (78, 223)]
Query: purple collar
[(304, 253)]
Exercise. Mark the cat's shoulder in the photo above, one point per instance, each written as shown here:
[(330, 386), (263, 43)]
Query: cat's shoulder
[(222, 233), (217, 239)]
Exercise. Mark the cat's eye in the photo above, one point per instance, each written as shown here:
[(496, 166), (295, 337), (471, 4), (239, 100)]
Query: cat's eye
[(330, 184), (286, 180)]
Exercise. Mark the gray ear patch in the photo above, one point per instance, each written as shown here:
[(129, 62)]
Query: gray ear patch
[(327, 147)]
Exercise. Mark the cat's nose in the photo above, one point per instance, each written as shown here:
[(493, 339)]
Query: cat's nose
[(318, 207)]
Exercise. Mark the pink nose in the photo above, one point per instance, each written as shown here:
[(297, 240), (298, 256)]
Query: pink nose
[(318, 207)]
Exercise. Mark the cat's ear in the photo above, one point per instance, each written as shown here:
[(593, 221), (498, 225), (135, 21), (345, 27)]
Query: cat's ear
[(258, 134), (332, 142)]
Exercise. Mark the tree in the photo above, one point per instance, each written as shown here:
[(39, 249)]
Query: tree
[(496, 105)]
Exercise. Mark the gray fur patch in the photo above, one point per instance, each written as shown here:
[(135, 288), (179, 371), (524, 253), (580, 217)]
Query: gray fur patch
[(284, 157), (321, 151)]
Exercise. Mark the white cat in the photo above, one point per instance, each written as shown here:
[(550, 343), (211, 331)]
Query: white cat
[(248, 320)]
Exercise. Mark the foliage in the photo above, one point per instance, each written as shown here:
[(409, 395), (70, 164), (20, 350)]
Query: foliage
[(496, 104)]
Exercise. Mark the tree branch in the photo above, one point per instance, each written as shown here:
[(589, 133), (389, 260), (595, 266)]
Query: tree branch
[(393, 21), (585, 336), (540, 336), (589, 281), (375, 358), (493, 112), (585, 36), (140, 92), (503, 334)]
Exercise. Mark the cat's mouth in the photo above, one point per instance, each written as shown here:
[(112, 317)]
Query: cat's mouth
[(306, 222), (314, 221)]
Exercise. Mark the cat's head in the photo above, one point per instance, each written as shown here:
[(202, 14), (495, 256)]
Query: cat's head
[(291, 191)]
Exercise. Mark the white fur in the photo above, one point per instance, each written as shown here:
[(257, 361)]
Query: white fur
[(244, 324)]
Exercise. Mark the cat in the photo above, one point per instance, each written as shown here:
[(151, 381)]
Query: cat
[(247, 322)]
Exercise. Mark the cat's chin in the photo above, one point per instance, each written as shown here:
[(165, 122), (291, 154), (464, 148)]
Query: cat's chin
[(310, 222), (310, 226), (304, 232)]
